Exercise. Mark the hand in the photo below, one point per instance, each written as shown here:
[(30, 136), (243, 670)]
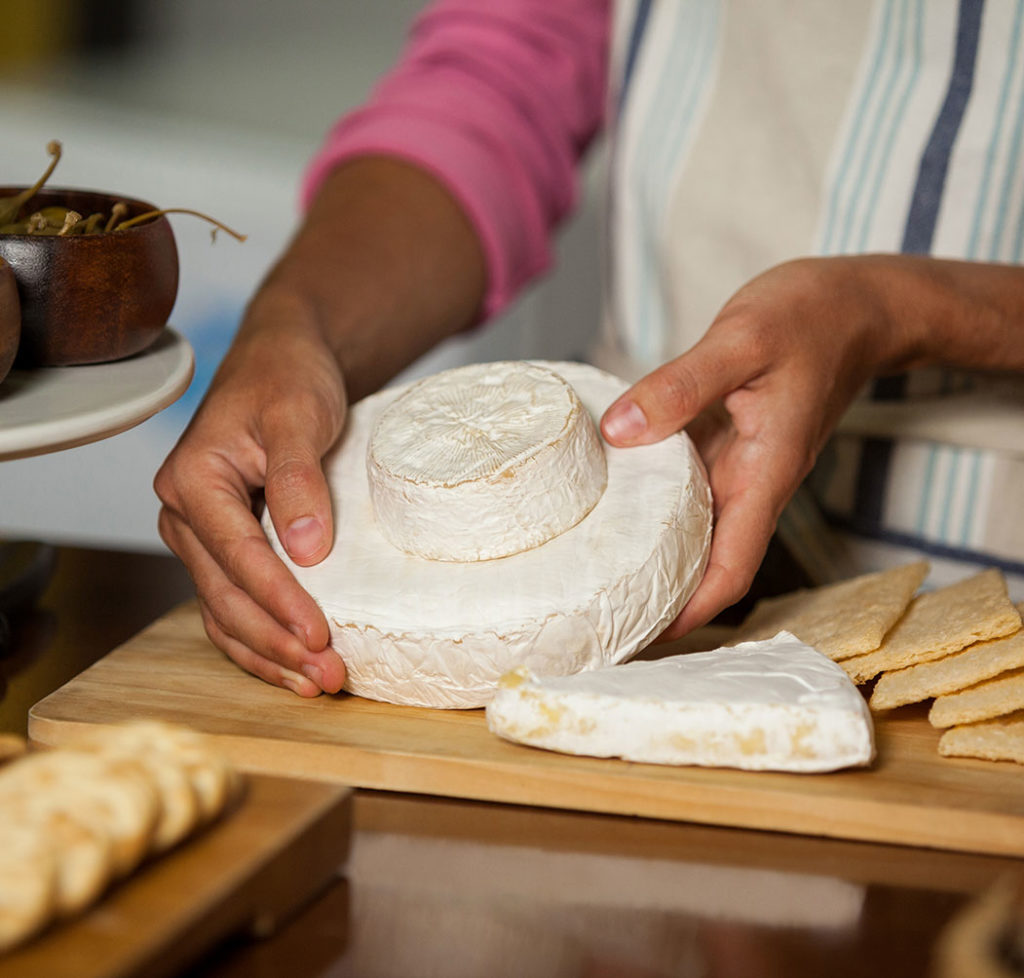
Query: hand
[(275, 407), (759, 394), (384, 266)]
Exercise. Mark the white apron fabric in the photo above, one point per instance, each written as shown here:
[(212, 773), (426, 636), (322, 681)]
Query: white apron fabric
[(749, 132)]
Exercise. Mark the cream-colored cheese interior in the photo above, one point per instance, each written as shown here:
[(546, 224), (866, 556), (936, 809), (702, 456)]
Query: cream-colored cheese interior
[(771, 705)]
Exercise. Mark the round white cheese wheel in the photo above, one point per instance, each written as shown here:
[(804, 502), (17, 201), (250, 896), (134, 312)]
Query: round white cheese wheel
[(483, 461), (440, 633)]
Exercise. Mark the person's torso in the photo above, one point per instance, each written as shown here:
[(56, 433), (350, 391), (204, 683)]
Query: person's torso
[(744, 133)]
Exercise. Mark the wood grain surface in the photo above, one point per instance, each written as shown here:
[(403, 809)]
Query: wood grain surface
[(909, 796), (244, 874)]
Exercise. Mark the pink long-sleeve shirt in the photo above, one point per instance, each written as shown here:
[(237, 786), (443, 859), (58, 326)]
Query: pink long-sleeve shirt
[(744, 133), (499, 101)]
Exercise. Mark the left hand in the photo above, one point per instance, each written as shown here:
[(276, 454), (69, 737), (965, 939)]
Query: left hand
[(759, 394)]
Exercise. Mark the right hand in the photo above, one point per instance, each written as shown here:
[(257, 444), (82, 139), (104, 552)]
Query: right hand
[(276, 405), (385, 266)]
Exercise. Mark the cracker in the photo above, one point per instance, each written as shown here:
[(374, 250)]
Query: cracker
[(81, 849), (1001, 739), (11, 746), (941, 622), (28, 883), (179, 809), (88, 788), (95, 812), (977, 662), (213, 779), (991, 698), (840, 620)]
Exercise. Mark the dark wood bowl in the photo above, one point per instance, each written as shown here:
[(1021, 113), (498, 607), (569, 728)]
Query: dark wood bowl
[(10, 318), (91, 298)]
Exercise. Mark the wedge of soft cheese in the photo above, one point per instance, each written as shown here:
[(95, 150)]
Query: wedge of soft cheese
[(774, 705), (481, 523)]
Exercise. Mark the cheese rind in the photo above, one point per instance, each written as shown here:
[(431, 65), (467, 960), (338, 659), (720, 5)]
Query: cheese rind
[(771, 705), (482, 461), (440, 633)]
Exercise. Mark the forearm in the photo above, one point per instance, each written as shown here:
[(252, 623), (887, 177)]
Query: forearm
[(384, 267), (499, 101), (953, 313)]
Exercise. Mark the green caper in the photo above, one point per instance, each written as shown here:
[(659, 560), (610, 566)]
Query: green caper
[(60, 220)]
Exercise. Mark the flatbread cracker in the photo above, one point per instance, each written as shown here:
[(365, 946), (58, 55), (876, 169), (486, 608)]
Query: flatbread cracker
[(28, 883), (839, 620), (977, 662), (941, 622), (1001, 739), (992, 698)]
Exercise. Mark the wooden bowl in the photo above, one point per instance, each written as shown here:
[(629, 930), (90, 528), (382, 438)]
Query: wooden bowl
[(10, 318), (91, 298)]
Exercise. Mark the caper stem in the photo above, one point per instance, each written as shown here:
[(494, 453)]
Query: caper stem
[(10, 206), (90, 225), (139, 218), (116, 213), (70, 220)]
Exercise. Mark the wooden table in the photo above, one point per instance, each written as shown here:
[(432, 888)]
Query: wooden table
[(443, 887)]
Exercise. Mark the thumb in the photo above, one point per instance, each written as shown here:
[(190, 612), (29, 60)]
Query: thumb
[(296, 491), (670, 397)]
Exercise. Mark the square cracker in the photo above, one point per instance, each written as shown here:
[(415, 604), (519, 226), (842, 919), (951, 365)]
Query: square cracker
[(991, 698), (1001, 739), (941, 622), (840, 620), (976, 663)]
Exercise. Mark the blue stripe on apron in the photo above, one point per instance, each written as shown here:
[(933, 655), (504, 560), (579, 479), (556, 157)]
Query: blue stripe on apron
[(636, 35), (940, 550), (918, 235), (931, 175), (643, 11)]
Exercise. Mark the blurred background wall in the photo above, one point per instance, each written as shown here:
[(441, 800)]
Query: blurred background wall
[(214, 105)]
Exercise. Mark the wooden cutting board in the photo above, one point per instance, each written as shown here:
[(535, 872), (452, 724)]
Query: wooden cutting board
[(278, 848), (170, 671)]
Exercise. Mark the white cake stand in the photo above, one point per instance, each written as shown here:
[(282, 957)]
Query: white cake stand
[(49, 409)]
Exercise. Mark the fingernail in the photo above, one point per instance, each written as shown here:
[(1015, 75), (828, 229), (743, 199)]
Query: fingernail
[(313, 675), (624, 421), (298, 684), (304, 537)]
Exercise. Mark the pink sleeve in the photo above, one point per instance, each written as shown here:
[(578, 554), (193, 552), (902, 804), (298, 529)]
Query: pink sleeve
[(499, 100)]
